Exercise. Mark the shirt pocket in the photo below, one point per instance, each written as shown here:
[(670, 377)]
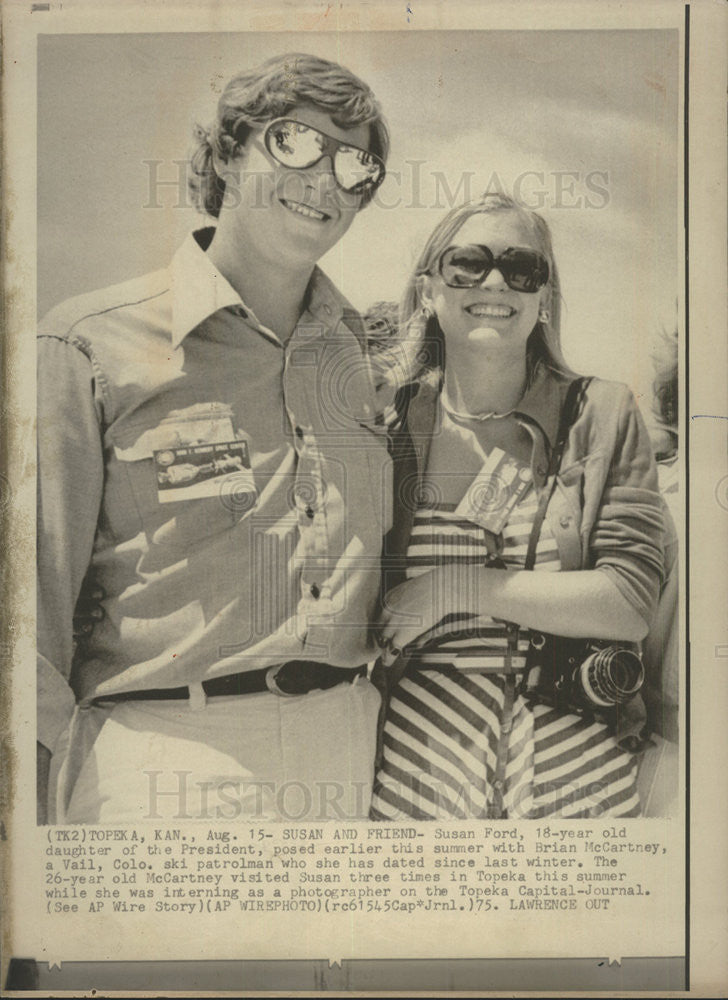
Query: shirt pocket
[(565, 515), (570, 482), (571, 478), (197, 510)]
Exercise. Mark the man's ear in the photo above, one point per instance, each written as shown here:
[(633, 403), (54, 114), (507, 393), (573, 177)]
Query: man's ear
[(227, 170)]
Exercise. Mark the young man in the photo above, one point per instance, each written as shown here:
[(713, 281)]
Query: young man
[(210, 456)]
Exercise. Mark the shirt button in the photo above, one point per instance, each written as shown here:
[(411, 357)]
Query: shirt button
[(299, 432), (315, 591), (498, 785), (309, 511), (541, 469), (565, 521)]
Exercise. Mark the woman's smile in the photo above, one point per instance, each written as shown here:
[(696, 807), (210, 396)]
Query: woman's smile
[(490, 310)]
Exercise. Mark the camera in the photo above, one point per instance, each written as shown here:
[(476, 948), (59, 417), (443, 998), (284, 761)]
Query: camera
[(586, 676)]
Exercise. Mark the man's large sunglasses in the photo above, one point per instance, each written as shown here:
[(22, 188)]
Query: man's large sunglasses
[(523, 270), (300, 146)]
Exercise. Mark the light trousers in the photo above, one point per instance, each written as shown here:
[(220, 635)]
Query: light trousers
[(252, 757)]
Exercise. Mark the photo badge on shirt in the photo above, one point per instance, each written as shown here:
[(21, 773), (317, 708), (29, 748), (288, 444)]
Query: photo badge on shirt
[(200, 456), (203, 470), (501, 484)]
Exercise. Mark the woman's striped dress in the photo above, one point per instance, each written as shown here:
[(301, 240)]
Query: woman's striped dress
[(444, 720)]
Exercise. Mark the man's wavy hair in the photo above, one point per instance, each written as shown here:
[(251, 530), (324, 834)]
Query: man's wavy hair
[(253, 98)]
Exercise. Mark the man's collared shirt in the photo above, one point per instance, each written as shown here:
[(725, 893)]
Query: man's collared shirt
[(228, 491)]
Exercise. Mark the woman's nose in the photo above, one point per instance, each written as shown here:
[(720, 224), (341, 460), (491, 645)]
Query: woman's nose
[(494, 279)]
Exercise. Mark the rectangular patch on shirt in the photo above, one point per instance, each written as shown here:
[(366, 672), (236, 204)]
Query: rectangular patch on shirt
[(206, 470), (500, 485)]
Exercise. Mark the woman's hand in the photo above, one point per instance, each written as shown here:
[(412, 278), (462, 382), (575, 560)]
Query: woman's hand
[(417, 605)]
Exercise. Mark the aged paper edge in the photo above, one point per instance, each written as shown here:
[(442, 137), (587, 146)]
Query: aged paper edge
[(707, 396)]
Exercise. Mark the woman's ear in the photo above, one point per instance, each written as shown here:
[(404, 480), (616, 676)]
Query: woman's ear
[(544, 305), (424, 290)]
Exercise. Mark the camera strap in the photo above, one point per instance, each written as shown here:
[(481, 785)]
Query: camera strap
[(569, 412)]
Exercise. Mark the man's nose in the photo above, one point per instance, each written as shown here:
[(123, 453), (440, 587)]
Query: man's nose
[(323, 172)]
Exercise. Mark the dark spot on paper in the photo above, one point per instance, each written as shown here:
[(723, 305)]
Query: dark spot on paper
[(656, 83)]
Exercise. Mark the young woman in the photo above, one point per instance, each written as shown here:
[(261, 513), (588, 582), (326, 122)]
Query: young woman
[(503, 468)]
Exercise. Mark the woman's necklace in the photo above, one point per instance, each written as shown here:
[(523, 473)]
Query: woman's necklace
[(462, 415)]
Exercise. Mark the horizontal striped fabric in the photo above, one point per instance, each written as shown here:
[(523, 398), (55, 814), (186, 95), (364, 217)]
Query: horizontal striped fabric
[(443, 725)]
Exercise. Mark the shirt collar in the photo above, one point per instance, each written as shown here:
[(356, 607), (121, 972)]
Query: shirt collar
[(198, 289), (325, 302)]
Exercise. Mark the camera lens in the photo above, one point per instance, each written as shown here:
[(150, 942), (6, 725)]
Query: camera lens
[(621, 673), (611, 676)]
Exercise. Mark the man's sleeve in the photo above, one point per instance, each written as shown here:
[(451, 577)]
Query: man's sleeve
[(70, 484), (627, 539)]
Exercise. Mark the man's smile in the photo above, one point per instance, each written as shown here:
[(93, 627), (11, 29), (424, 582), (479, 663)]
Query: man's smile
[(305, 210)]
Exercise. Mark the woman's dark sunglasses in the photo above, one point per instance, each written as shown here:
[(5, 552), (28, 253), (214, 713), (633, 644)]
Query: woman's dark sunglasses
[(523, 270), (298, 147)]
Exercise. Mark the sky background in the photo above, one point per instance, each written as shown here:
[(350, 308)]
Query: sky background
[(583, 123)]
